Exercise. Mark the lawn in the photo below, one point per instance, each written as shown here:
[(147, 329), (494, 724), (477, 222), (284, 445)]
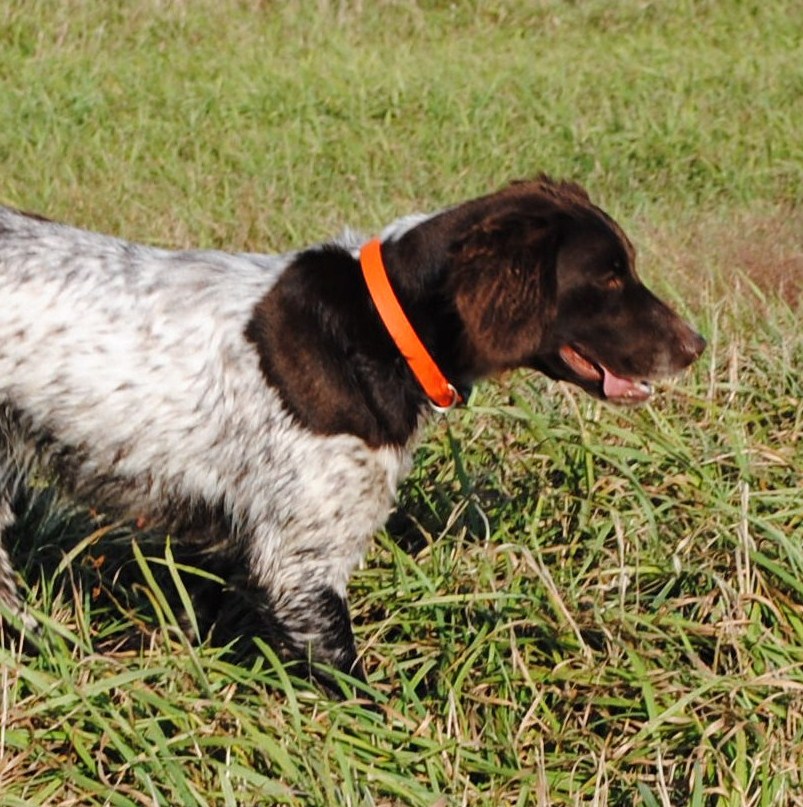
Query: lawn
[(573, 604)]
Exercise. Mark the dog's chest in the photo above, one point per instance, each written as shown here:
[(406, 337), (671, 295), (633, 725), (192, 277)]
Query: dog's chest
[(321, 498)]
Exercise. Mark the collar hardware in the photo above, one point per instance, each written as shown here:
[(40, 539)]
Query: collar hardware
[(455, 400)]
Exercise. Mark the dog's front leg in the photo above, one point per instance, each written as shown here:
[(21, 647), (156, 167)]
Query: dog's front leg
[(293, 605), (315, 625)]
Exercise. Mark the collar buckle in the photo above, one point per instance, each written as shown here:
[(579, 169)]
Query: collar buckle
[(454, 400)]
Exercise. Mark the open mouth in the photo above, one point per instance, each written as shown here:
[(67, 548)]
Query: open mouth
[(614, 387)]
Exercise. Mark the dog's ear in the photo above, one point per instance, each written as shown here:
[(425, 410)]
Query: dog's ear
[(503, 285)]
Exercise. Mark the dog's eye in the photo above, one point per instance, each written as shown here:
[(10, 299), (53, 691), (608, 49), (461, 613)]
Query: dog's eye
[(613, 282)]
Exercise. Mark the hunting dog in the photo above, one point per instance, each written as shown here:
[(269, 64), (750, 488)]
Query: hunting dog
[(266, 405)]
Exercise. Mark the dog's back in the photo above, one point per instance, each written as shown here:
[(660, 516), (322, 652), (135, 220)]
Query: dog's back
[(125, 349)]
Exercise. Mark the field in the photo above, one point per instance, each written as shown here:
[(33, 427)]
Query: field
[(574, 604)]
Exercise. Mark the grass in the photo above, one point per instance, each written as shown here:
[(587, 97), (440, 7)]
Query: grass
[(573, 604)]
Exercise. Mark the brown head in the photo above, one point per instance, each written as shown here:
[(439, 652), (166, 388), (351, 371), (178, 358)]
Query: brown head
[(538, 276)]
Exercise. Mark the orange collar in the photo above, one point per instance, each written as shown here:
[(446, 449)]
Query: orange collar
[(443, 396)]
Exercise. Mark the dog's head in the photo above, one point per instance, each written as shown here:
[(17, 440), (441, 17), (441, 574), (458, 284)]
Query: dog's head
[(538, 276), (610, 335)]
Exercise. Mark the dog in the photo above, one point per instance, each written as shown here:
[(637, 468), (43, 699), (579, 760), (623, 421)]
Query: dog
[(265, 406)]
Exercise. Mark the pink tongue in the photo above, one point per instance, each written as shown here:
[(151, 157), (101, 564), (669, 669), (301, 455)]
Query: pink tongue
[(615, 387)]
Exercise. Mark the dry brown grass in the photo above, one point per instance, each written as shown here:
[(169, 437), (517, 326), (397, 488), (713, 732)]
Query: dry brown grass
[(759, 248)]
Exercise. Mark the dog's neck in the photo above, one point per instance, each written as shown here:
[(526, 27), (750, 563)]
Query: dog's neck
[(442, 394), (323, 348)]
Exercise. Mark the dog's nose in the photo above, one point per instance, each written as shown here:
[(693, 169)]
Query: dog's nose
[(692, 346)]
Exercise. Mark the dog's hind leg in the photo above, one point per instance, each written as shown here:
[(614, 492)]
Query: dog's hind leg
[(9, 593)]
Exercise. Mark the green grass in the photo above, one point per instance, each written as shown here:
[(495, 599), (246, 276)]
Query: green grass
[(574, 604)]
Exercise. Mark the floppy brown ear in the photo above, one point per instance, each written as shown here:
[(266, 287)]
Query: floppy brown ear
[(504, 287)]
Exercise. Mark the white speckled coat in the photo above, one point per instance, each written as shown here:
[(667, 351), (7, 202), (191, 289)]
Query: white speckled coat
[(133, 362)]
